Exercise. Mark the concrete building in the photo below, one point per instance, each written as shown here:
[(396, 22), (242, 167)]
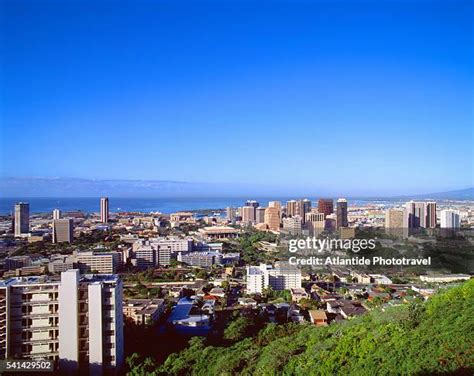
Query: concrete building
[(63, 230), (293, 225), (218, 232), (152, 254), (272, 218), (21, 219), (56, 214), (450, 219), (248, 215), (182, 217), (104, 210), (15, 262), (415, 215), (282, 276), (341, 212), (62, 264), (260, 215), (275, 204), (98, 262), (144, 311), (326, 206), (394, 218), (90, 322), (303, 207), (252, 203), (315, 222), (230, 214), (430, 214), (201, 259), (76, 320), (291, 208)]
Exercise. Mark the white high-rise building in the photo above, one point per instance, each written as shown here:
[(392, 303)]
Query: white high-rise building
[(56, 214), (77, 320), (450, 219), (104, 209), (282, 276)]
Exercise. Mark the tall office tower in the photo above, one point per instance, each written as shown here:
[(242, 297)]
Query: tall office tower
[(415, 214), (341, 212), (260, 215), (104, 210), (56, 214), (272, 218), (274, 204), (90, 322), (431, 214), (394, 218), (450, 219), (22, 218), (316, 222), (303, 207), (230, 214), (253, 203), (63, 230), (326, 206), (291, 208), (248, 214), (78, 320)]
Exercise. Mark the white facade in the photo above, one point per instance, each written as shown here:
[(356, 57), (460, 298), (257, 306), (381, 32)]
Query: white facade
[(77, 320), (450, 219), (280, 277)]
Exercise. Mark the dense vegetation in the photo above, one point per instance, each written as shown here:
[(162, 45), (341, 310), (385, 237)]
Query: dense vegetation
[(436, 337)]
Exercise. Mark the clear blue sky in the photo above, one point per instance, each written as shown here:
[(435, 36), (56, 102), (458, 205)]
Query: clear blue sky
[(369, 97)]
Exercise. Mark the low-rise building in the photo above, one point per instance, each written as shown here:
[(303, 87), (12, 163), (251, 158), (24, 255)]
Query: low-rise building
[(143, 311), (318, 317)]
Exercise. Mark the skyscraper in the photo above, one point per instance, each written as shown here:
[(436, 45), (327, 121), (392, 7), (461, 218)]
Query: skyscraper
[(450, 219), (63, 230), (104, 210), (394, 218), (272, 218), (326, 206), (260, 215), (253, 203), (341, 209), (303, 207), (22, 219), (431, 214), (291, 208), (316, 222), (230, 214), (248, 214), (415, 214), (56, 214)]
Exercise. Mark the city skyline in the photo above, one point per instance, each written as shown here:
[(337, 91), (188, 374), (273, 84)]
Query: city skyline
[(314, 94)]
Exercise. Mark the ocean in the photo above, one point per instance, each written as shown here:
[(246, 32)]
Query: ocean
[(147, 205)]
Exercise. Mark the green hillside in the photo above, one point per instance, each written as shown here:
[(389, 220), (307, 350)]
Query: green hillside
[(436, 337)]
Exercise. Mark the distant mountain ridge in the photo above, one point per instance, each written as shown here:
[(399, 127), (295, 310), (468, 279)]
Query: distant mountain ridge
[(459, 194), (79, 187)]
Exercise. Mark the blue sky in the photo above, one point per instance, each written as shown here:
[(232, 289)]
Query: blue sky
[(357, 97)]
